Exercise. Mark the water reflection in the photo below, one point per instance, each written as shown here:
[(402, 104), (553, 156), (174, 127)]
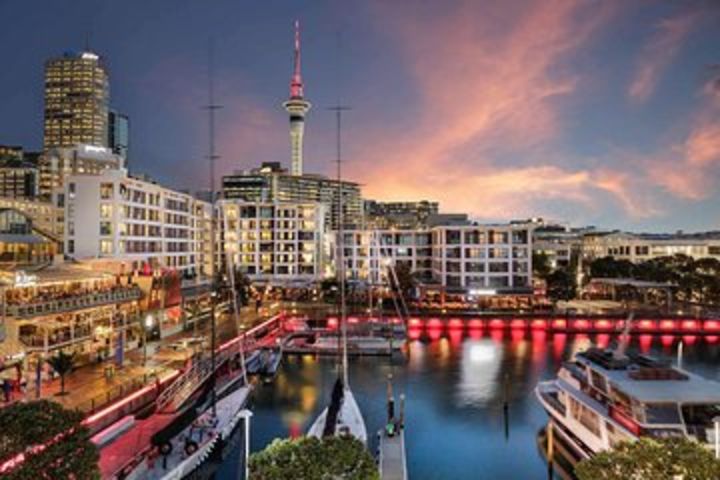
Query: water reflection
[(454, 380)]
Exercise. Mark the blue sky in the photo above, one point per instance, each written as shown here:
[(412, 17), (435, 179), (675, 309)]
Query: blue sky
[(604, 113)]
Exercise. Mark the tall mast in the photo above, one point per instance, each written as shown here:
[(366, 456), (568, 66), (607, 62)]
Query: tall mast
[(338, 109), (212, 156)]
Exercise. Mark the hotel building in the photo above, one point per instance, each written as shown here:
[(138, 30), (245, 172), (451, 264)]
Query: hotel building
[(275, 242), (76, 101), (113, 216)]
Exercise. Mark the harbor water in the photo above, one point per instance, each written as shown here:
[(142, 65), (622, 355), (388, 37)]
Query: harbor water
[(456, 383)]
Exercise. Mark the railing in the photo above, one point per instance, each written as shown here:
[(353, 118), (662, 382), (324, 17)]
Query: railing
[(45, 307)]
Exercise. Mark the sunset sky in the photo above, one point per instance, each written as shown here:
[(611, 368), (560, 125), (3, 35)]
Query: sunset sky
[(587, 111)]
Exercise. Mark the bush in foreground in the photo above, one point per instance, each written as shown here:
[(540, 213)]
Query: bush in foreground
[(54, 443), (309, 458), (672, 458)]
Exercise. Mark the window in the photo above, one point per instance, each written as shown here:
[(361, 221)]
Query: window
[(106, 191), (105, 228), (106, 247), (71, 246), (106, 210)]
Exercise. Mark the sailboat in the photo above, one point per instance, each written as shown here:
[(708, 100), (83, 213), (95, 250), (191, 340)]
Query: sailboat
[(342, 416)]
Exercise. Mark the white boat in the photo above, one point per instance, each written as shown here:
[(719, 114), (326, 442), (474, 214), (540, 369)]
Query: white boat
[(602, 397), (188, 450), (348, 421)]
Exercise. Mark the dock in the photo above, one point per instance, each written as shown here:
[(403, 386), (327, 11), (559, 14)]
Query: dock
[(391, 460)]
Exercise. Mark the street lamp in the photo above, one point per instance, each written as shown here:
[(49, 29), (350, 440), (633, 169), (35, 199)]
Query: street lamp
[(147, 325)]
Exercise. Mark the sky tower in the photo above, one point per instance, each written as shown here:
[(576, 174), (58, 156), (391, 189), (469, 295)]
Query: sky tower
[(297, 107)]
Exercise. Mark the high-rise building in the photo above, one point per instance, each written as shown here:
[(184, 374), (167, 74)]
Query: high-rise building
[(18, 179), (296, 107), (76, 101), (119, 134), (271, 183)]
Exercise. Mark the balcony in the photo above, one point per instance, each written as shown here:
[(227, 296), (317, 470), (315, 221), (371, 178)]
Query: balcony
[(77, 302)]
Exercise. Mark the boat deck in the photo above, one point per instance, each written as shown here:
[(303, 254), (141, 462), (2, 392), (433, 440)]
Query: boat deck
[(392, 457)]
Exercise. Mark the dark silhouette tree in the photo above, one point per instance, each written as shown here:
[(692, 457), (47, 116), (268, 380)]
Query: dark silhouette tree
[(62, 363)]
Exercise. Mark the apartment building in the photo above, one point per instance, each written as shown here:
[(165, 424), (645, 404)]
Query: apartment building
[(483, 258), (275, 242), (368, 253), (113, 216), (641, 247)]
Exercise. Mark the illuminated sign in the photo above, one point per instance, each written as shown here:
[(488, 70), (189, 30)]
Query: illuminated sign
[(23, 279)]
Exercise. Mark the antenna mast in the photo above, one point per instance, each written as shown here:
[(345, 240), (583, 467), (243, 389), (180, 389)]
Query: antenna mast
[(212, 156), (339, 109)]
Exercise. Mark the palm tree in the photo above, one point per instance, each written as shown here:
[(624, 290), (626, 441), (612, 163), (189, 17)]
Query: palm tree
[(63, 364)]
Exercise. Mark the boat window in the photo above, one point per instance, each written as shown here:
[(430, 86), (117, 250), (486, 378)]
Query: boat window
[(585, 415), (598, 381), (662, 413)]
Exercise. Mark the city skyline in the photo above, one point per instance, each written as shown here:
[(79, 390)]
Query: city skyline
[(602, 114)]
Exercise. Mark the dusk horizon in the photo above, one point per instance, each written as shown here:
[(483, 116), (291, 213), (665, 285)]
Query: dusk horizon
[(604, 114)]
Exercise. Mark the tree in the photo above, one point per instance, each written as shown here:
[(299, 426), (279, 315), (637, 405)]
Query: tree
[(53, 440), (561, 284), (406, 280), (541, 265), (63, 364), (651, 459), (339, 458)]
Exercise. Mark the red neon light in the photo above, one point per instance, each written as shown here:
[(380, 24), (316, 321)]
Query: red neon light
[(517, 323), (667, 325), (646, 324), (711, 325), (435, 333), (539, 324), (689, 339), (496, 323), (603, 325), (332, 323), (414, 322), (475, 333), (560, 323), (414, 333), (689, 325), (645, 343), (581, 324), (667, 340), (517, 335), (475, 323), (497, 335), (602, 340), (434, 323), (711, 339), (352, 320), (396, 321), (455, 324)]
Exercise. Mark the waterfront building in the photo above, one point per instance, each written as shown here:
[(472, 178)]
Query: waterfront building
[(369, 253), (483, 259), (43, 215), (644, 246), (297, 107), (76, 101), (272, 183), (119, 134), (18, 178), (67, 307), (21, 243), (279, 243), (114, 216)]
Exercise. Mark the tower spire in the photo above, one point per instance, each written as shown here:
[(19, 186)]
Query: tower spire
[(297, 107), (296, 85)]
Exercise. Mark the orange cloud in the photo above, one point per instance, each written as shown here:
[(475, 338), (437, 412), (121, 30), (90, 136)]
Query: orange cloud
[(484, 92), (658, 53)]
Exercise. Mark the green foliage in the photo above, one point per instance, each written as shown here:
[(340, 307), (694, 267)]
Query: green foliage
[(561, 284), (652, 459), (332, 458), (63, 364), (696, 280), (68, 452)]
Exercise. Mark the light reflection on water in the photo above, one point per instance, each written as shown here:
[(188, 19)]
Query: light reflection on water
[(454, 382)]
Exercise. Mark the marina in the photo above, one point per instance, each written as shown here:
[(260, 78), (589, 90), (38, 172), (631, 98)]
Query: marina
[(455, 389)]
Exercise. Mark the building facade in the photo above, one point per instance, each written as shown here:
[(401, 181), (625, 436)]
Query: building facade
[(76, 101), (18, 179), (113, 216), (399, 214), (485, 259), (275, 242), (271, 183), (369, 253), (642, 247)]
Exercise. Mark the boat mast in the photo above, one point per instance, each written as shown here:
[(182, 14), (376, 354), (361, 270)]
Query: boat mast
[(338, 109), (212, 156)]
